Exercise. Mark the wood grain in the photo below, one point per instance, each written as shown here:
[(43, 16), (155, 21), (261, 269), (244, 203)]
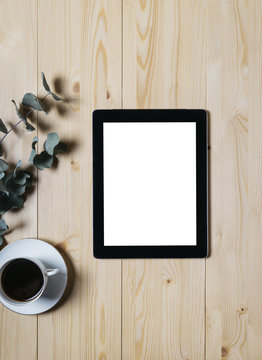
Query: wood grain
[(164, 66), (140, 54), (18, 64), (227, 266), (84, 56), (254, 245)]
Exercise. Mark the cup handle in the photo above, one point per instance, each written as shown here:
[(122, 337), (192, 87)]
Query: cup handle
[(51, 272)]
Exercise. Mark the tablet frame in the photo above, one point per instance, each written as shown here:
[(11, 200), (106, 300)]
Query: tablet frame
[(200, 250)]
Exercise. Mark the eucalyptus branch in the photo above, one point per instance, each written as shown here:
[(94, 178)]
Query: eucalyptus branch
[(13, 127), (13, 184)]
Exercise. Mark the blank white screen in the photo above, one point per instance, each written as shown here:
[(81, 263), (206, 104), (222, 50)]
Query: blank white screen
[(149, 183)]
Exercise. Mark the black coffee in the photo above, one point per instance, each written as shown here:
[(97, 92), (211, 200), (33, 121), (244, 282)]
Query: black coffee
[(22, 280)]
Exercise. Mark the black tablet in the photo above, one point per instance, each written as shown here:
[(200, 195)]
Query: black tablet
[(150, 184)]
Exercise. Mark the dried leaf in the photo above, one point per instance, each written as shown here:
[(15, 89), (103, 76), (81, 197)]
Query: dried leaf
[(31, 101), (3, 128)]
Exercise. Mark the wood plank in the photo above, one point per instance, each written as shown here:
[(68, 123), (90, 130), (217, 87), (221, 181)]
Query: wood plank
[(254, 330), (80, 43), (163, 301), (18, 63), (228, 105)]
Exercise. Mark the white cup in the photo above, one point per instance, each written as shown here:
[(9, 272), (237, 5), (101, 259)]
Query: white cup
[(46, 273)]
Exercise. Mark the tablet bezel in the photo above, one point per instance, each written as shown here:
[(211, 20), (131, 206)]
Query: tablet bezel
[(200, 250)]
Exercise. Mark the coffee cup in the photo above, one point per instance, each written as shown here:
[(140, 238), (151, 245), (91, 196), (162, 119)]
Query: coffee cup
[(23, 280)]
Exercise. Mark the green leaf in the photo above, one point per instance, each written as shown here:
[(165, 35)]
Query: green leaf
[(3, 187), (47, 88), (29, 127), (35, 141), (33, 152), (19, 163), (52, 140), (21, 117), (45, 84), (60, 148), (2, 175), (56, 97), (43, 160), (9, 202), (31, 101), (3, 128), (17, 181), (23, 178), (3, 165), (14, 188), (3, 227), (1, 240)]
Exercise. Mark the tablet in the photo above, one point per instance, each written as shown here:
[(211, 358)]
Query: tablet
[(150, 184)]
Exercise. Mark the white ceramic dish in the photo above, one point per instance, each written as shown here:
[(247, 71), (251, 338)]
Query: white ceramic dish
[(52, 259)]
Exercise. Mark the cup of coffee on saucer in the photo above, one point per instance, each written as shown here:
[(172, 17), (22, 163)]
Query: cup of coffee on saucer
[(23, 280), (33, 276)]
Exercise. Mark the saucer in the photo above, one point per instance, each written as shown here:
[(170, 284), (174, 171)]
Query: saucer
[(52, 259)]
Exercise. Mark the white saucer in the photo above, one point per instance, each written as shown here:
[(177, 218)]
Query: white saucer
[(52, 259)]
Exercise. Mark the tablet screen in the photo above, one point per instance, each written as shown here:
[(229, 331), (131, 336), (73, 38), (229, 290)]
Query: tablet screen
[(149, 183)]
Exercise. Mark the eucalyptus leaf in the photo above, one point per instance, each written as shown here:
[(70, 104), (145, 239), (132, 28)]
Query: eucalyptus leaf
[(45, 84), (14, 188), (35, 141), (2, 175), (17, 182), (29, 127), (3, 165), (43, 160), (23, 178), (3, 187), (1, 150), (60, 148), (52, 140), (21, 117), (1, 240), (33, 152), (31, 101), (47, 88), (19, 163), (9, 202), (56, 97), (3, 128), (3, 227)]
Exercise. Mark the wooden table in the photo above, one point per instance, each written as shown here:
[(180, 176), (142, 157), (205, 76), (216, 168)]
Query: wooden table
[(140, 54)]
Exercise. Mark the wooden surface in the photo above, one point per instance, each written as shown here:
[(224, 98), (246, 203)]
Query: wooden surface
[(140, 54)]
